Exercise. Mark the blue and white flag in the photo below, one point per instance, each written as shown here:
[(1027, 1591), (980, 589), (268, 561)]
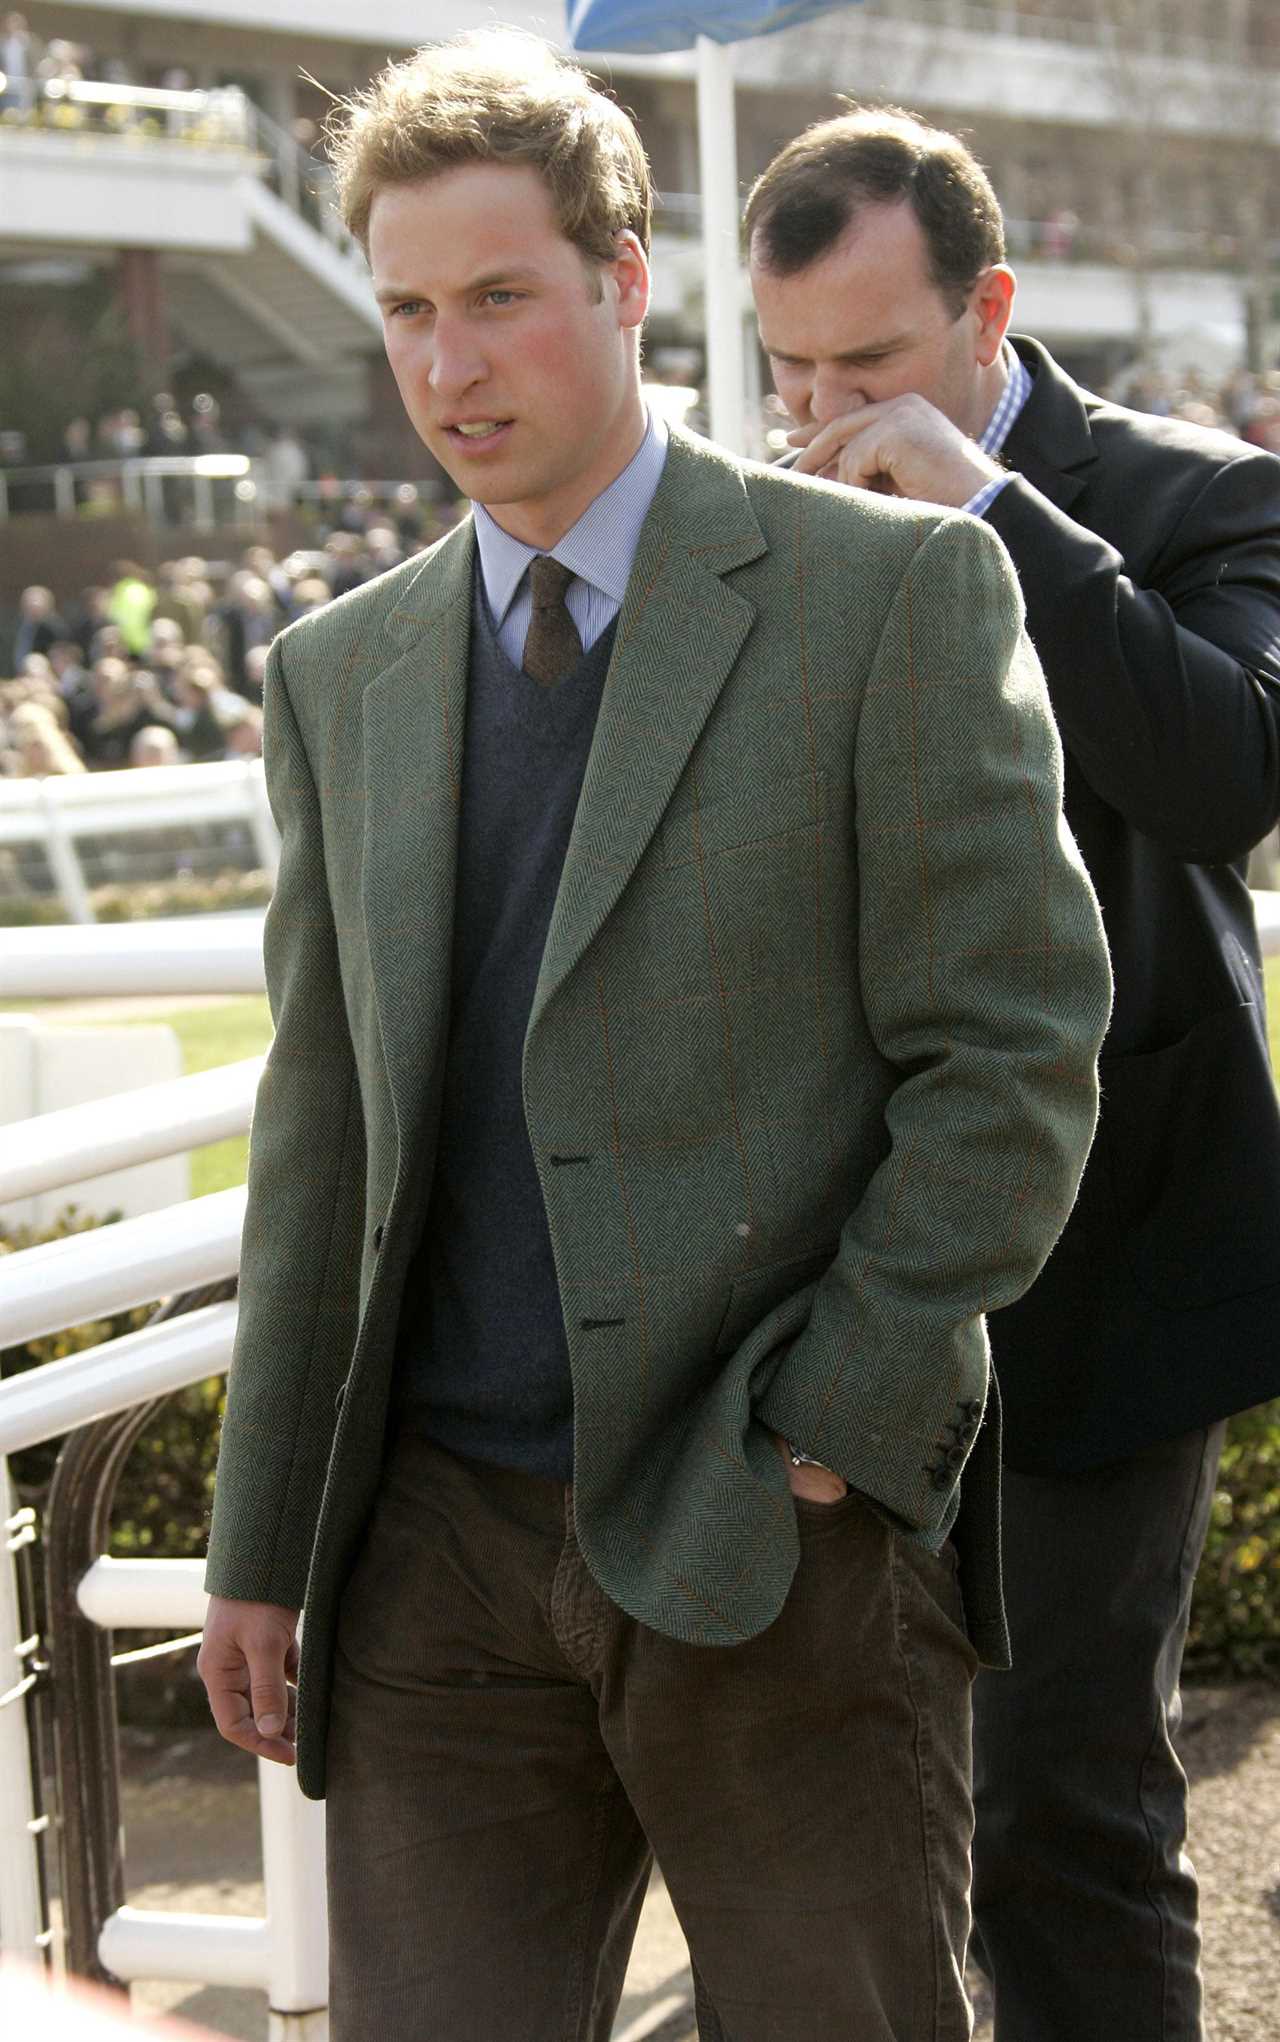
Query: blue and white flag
[(647, 26)]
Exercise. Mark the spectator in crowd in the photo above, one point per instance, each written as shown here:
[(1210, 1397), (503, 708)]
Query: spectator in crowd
[(154, 745), (206, 425), (39, 624), (37, 744), (77, 439), (177, 602), (244, 735), (94, 613), (120, 435), (18, 62), (74, 683), (255, 667), (129, 605), (285, 464), (166, 432), (203, 707), (248, 617), (311, 592), (349, 566), (127, 702), (260, 560)]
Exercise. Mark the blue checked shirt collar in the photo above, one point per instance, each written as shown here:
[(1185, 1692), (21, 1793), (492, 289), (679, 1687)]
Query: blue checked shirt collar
[(1016, 391)]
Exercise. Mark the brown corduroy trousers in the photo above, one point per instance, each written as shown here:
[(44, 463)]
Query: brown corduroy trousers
[(508, 1750)]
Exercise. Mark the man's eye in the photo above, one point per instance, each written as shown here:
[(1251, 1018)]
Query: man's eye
[(404, 309), (501, 297)]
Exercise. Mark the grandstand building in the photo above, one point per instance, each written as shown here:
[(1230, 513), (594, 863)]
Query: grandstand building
[(1134, 146)]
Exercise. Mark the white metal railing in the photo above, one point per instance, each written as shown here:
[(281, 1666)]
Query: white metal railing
[(195, 954), (283, 1954), (60, 811), (209, 489), (217, 119)]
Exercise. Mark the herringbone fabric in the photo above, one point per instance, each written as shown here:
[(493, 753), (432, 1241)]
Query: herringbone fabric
[(809, 1076), (552, 648)]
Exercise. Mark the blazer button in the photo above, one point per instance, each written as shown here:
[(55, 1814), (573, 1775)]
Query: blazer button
[(941, 1478), (377, 1237)]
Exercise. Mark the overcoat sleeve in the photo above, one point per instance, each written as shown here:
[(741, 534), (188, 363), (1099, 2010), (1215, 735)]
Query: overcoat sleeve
[(1167, 695)]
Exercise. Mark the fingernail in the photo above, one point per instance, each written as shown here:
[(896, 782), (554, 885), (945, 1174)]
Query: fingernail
[(268, 1726)]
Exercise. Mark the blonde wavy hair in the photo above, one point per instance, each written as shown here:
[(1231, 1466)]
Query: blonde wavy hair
[(495, 96)]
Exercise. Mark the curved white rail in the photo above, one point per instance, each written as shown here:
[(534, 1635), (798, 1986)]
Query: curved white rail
[(133, 1127), (107, 1269)]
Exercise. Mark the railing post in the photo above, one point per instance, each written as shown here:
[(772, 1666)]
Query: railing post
[(64, 493), (22, 1909), (293, 1874), (64, 858), (266, 837), (76, 1532)]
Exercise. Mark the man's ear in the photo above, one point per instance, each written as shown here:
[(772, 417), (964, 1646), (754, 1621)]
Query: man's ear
[(991, 302), (631, 276)]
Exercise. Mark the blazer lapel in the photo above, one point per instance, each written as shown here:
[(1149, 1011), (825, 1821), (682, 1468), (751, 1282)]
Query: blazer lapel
[(414, 712), (679, 632), (1051, 443)]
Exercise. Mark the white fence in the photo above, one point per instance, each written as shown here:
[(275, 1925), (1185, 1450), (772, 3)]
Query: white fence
[(284, 1954), (60, 812)]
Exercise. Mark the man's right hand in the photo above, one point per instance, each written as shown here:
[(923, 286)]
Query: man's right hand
[(248, 1662)]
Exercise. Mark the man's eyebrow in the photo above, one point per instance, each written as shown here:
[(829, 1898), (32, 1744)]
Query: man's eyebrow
[(853, 354), (388, 293)]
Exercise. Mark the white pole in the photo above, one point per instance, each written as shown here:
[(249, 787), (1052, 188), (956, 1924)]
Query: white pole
[(293, 1873), (718, 167), (20, 1924)]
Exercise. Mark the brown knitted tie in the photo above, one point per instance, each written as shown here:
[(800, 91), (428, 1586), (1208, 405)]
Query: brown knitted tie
[(553, 646)]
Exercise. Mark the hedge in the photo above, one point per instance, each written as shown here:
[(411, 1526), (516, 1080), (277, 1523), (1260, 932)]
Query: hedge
[(141, 901)]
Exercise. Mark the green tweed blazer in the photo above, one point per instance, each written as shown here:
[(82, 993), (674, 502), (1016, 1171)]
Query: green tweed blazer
[(820, 1002)]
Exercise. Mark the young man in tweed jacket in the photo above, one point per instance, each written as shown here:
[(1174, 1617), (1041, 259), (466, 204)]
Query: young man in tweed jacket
[(687, 999)]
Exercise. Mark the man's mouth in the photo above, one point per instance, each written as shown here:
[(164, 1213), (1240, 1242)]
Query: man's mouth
[(477, 432)]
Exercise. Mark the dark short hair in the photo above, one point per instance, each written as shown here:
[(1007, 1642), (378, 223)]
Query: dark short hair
[(877, 155)]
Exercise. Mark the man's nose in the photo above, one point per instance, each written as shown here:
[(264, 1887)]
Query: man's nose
[(456, 361), (833, 396)]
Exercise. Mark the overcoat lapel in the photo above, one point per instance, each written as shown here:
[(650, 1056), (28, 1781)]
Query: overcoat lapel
[(679, 632), (414, 714), (1050, 442)]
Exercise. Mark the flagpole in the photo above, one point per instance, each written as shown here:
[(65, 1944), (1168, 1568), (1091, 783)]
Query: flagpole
[(722, 281)]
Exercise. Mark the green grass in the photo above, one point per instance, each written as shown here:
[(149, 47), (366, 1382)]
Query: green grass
[(209, 1037), (220, 1035)]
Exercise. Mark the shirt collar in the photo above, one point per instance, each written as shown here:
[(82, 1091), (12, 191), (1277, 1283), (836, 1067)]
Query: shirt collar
[(1017, 389), (599, 548)]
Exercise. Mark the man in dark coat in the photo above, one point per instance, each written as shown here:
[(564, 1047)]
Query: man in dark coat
[(1149, 556)]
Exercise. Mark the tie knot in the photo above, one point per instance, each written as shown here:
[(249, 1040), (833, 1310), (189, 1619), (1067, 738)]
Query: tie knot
[(548, 580)]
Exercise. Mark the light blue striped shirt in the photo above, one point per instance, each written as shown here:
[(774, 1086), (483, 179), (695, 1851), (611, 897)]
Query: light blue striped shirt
[(598, 550), (1016, 391)]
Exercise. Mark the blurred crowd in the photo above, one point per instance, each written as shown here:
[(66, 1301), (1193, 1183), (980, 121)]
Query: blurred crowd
[(162, 670), (32, 67), (1245, 404)]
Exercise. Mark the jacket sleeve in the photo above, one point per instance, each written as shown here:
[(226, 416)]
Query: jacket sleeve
[(1167, 697), (299, 1270), (985, 981)]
